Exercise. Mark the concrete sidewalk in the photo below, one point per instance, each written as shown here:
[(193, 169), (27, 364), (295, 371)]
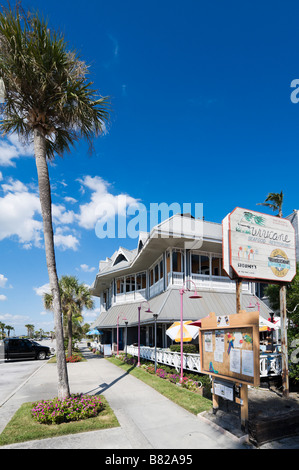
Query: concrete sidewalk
[(147, 419)]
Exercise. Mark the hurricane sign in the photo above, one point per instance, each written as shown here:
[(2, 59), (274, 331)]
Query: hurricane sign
[(260, 246)]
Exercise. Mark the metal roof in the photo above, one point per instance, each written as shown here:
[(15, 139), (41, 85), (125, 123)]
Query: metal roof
[(168, 307)]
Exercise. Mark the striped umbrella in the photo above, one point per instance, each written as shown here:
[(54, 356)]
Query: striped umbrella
[(189, 332)]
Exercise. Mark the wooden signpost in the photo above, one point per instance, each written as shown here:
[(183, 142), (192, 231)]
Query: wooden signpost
[(229, 352)]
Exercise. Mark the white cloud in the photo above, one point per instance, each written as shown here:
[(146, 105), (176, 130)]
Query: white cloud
[(1, 176), (61, 215), (72, 200), (103, 204), (3, 297), (3, 280), (11, 149), (86, 268), (66, 241), (17, 319), (18, 209), (45, 289)]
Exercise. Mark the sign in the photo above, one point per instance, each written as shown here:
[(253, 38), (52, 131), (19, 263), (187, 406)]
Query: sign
[(224, 390), (260, 246), (231, 352)]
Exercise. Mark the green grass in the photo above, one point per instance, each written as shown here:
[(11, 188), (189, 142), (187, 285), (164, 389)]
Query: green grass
[(23, 428), (191, 401)]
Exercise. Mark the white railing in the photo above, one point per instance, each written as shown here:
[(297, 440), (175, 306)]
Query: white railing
[(217, 282), (190, 361), (156, 288), (130, 296), (270, 364)]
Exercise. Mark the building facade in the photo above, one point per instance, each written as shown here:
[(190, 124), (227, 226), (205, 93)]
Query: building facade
[(179, 252)]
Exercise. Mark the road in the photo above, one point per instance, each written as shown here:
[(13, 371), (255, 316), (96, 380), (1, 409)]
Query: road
[(15, 373)]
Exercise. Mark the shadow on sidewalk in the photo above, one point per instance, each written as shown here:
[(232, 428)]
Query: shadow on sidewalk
[(103, 387)]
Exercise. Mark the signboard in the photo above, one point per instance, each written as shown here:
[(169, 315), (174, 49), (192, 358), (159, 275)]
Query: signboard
[(261, 246), (229, 347)]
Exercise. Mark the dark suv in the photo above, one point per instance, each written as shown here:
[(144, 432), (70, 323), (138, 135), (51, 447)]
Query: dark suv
[(19, 348)]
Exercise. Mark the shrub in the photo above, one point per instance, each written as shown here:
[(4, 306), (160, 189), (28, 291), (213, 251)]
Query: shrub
[(56, 411), (187, 348)]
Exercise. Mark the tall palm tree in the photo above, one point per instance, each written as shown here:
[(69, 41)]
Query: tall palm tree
[(48, 100), (274, 201), (74, 297)]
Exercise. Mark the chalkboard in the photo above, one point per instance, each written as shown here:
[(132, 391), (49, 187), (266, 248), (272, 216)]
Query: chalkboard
[(229, 347)]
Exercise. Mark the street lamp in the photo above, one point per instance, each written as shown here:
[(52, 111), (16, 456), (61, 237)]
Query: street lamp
[(147, 311), (126, 323), (257, 304), (195, 296), (155, 318), (123, 318)]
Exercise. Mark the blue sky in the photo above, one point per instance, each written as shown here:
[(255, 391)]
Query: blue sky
[(200, 93)]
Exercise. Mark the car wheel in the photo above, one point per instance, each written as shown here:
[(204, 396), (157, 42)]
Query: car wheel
[(41, 355)]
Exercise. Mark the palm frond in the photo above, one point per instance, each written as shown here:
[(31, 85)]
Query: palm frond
[(47, 86)]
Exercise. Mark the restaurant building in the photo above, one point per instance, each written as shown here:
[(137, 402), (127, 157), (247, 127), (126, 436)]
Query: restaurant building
[(179, 252)]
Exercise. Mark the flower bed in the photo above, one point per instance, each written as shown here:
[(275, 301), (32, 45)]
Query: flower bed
[(74, 358), (57, 411), (188, 382)]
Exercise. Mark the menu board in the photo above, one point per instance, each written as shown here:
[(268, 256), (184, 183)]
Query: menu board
[(229, 347)]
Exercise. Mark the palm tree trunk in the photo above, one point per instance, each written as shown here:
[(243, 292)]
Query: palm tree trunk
[(70, 333), (46, 208)]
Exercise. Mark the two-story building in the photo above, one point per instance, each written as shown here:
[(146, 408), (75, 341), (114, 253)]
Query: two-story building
[(180, 251)]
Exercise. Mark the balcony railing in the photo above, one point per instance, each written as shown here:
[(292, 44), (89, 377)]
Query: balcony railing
[(270, 364)]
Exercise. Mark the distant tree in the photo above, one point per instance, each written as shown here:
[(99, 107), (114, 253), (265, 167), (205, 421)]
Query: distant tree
[(74, 297), (274, 201), (2, 326), (30, 330), (9, 329)]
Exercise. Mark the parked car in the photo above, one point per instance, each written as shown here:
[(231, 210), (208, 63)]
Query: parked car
[(20, 348)]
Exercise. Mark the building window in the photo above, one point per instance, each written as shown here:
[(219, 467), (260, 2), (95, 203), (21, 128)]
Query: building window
[(216, 266), (120, 286), (204, 265), (195, 264), (140, 281), (161, 269), (177, 262)]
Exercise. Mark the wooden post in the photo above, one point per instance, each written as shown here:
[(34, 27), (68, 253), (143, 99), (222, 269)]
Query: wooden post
[(215, 399), (244, 407), (238, 295), (284, 342), (244, 387)]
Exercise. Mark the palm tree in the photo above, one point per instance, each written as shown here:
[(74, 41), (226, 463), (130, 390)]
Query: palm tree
[(9, 329), (48, 100), (274, 201), (30, 330), (2, 326), (74, 297)]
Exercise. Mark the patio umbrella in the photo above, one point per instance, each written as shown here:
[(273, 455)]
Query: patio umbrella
[(189, 332), (264, 325), (94, 332)]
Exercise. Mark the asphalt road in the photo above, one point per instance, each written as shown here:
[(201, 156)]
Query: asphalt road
[(13, 374)]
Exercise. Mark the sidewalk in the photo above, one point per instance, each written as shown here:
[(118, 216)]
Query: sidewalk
[(147, 419)]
